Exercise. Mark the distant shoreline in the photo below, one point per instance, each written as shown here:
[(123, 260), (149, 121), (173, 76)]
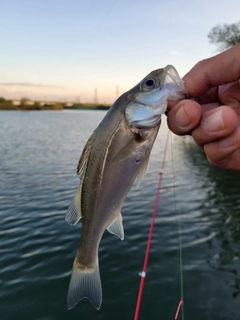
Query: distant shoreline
[(29, 105), (88, 107)]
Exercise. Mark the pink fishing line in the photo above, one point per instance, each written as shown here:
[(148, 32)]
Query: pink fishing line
[(178, 309)]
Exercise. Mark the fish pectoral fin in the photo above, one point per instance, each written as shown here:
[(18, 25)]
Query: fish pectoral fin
[(85, 283), (142, 170), (82, 164), (73, 214), (116, 227), (126, 151)]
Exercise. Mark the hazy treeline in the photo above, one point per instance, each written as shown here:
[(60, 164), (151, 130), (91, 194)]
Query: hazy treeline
[(26, 104)]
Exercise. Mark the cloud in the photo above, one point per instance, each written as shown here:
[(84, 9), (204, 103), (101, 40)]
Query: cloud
[(175, 52), (28, 84)]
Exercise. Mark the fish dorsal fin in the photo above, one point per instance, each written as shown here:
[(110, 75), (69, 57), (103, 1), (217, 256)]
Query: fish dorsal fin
[(73, 214), (116, 227), (142, 170), (82, 164)]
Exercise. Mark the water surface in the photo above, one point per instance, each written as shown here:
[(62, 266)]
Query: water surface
[(39, 152)]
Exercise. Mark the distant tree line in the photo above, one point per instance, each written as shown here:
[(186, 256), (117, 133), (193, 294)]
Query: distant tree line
[(26, 104), (6, 104)]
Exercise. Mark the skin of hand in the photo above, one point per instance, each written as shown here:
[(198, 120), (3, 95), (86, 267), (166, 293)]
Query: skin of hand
[(212, 117)]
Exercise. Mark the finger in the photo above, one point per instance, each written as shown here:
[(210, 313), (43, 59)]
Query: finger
[(209, 97), (225, 152), (213, 72), (184, 116), (171, 104), (229, 94), (216, 123)]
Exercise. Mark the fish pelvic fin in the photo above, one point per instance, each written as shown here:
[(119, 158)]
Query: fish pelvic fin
[(85, 283), (116, 227), (73, 214)]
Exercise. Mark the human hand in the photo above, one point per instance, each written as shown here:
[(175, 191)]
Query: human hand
[(213, 118)]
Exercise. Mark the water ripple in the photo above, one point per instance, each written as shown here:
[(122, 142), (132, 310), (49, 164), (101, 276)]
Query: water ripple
[(38, 181)]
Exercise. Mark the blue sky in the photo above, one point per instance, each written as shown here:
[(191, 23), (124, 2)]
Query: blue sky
[(63, 50)]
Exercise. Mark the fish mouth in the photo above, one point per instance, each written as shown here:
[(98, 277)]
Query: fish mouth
[(171, 72), (174, 83)]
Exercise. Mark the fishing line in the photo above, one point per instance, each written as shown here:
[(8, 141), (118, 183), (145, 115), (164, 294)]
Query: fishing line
[(144, 270), (180, 305)]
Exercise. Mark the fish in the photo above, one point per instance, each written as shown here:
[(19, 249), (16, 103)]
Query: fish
[(116, 154)]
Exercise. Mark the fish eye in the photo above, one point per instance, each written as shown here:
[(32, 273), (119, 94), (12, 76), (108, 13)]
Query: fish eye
[(149, 82)]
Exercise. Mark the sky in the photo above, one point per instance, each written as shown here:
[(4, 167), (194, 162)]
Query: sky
[(78, 50)]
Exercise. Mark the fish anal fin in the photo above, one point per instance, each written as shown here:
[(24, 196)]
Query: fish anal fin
[(142, 170), (85, 283), (116, 227), (82, 164), (73, 214)]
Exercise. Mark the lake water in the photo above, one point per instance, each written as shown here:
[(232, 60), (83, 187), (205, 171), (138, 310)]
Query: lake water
[(39, 152)]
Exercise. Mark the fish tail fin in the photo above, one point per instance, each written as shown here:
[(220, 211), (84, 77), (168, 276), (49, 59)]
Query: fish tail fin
[(85, 283)]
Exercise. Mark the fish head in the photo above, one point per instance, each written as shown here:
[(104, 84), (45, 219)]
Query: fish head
[(147, 101)]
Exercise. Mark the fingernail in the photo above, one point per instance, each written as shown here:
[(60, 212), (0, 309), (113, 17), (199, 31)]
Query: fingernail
[(227, 142), (213, 122), (181, 118)]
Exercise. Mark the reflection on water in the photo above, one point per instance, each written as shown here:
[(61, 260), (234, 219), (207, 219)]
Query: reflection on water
[(222, 206), (38, 158)]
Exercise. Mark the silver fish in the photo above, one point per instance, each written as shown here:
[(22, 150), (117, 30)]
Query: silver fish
[(115, 155)]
